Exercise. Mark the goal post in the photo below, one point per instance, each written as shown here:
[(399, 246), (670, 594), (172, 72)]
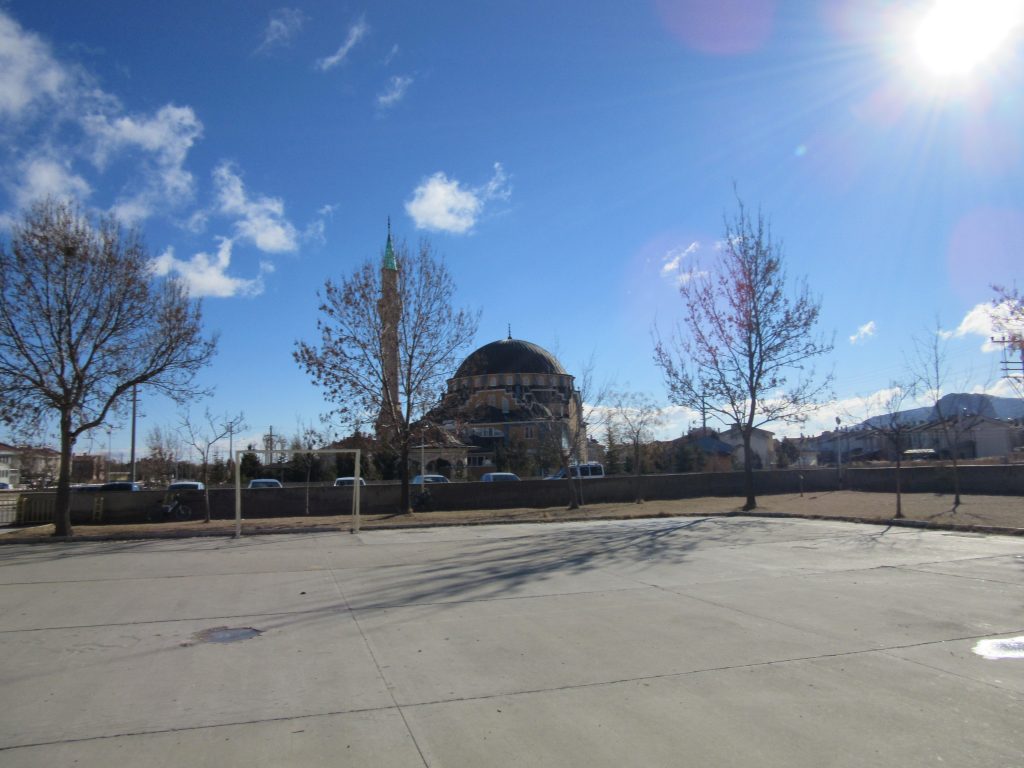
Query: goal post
[(289, 452)]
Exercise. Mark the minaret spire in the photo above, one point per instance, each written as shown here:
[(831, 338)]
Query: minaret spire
[(389, 312), (510, 331), (389, 251)]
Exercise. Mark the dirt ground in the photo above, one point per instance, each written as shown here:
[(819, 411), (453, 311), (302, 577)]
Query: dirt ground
[(997, 514)]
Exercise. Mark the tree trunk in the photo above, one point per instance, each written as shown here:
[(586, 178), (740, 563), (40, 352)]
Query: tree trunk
[(575, 494), (403, 476), (899, 499), (637, 496), (956, 481), (748, 473), (62, 505), (309, 473), (206, 492), (574, 502)]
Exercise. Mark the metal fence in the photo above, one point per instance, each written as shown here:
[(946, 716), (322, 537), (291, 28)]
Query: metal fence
[(8, 508), (22, 508)]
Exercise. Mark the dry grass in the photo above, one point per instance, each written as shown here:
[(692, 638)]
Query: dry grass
[(981, 512)]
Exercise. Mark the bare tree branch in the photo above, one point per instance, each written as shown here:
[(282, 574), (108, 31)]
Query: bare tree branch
[(746, 340), (82, 322), (635, 416), (349, 362), (202, 436)]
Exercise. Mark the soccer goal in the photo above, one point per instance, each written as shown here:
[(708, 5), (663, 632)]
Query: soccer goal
[(284, 456)]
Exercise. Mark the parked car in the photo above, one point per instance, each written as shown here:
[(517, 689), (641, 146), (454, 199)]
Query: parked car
[(265, 483), (425, 479), (588, 471), (186, 485), (499, 477), (348, 481), (86, 488), (120, 485), (5, 486)]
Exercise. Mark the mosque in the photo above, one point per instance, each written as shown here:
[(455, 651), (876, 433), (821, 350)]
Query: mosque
[(510, 405), (515, 408)]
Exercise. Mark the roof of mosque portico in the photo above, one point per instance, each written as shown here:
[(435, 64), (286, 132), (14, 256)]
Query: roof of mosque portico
[(509, 356)]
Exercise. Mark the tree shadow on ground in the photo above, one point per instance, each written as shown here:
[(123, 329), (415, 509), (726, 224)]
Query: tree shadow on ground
[(528, 566)]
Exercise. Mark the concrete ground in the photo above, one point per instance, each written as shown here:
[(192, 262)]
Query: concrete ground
[(719, 641)]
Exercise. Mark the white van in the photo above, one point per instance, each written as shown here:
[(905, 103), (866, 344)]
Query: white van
[(588, 471)]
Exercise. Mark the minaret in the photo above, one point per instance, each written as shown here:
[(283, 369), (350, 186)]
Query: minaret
[(389, 311)]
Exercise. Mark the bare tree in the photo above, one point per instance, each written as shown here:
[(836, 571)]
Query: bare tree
[(306, 439), (931, 371), (163, 448), (202, 436), (565, 437), (744, 337), (635, 415), (82, 322), (351, 361), (892, 427)]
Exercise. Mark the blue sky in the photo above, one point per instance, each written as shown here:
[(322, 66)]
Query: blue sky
[(570, 160)]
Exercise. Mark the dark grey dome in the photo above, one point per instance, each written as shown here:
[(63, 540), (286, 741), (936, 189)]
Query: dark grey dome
[(509, 356)]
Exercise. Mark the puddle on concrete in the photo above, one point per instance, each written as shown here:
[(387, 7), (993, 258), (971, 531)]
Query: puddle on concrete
[(226, 634), (1006, 648)]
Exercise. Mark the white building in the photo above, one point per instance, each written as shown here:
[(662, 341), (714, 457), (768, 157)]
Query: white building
[(762, 443), (10, 471)]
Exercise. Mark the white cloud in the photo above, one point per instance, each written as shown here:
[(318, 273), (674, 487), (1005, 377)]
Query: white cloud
[(395, 92), (54, 115), (30, 73), (165, 139), (282, 28), (206, 275), (440, 203), (865, 331), (42, 176), (444, 205), (670, 261), (391, 54), (684, 277), (671, 264), (261, 221), (1002, 387), (979, 322), (196, 222), (355, 33), (677, 420), (850, 410), (314, 232), (168, 135)]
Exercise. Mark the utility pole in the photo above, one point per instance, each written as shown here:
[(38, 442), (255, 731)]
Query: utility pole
[(268, 447), (1013, 370), (839, 453)]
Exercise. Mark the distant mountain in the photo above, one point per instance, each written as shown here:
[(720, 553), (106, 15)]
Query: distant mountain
[(988, 406)]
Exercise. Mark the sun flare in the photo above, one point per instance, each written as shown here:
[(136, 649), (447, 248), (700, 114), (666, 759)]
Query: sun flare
[(954, 37)]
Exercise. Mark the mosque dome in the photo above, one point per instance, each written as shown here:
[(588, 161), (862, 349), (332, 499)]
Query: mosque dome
[(509, 356)]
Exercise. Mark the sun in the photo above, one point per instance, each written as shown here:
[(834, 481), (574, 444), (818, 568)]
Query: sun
[(956, 37)]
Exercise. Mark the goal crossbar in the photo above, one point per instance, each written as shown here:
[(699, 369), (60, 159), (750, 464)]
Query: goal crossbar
[(316, 453)]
